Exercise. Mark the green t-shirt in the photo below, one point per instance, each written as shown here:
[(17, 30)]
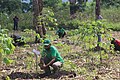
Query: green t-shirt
[(62, 31), (50, 54)]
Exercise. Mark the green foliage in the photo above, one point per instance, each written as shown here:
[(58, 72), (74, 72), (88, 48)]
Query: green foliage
[(10, 5), (60, 10), (111, 14), (87, 37), (65, 49), (29, 60), (5, 21), (26, 7), (52, 3), (73, 32), (62, 13), (69, 65), (7, 61), (110, 3), (11, 8), (114, 26), (47, 18), (73, 24), (82, 71), (6, 46), (7, 78), (90, 7), (113, 17), (25, 20), (28, 33), (90, 30)]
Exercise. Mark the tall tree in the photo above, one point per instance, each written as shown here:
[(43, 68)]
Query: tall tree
[(98, 16), (72, 7), (37, 9), (97, 9)]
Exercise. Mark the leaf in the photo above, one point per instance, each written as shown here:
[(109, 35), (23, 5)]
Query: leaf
[(7, 51), (1, 50), (7, 78), (7, 61)]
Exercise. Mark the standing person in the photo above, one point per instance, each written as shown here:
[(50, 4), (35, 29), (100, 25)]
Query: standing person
[(15, 19), (61, 32), (50, 57)]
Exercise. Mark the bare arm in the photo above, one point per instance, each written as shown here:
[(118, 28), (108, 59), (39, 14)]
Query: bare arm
[(42, 65), (50, 62)]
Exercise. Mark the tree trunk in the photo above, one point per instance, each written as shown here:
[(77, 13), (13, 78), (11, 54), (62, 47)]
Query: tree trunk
[(85, 1), (35, 13), (72, 8), (37, 9), (98, 16), (97, 8)]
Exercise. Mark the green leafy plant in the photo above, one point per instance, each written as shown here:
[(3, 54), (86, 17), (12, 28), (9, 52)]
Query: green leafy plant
[(87, 37), (69, 65), (6, 46), (48, 18)]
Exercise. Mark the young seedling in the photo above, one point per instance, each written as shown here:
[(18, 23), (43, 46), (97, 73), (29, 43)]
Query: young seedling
[(36, 55)]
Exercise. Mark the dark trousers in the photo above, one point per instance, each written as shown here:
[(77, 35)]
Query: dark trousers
[(15, 26), (117, 47), (56, 65), (61, 35)]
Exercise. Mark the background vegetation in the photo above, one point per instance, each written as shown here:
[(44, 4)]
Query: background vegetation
[(77, 48), (109, 11)]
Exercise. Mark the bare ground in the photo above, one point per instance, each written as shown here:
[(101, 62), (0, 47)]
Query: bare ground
[(25, 68)]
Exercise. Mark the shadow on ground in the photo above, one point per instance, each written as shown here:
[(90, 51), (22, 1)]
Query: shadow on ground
[(23, 75)]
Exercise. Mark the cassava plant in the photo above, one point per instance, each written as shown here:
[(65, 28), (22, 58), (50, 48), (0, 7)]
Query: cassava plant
[(101, 29), (6, 47), (88, 32)]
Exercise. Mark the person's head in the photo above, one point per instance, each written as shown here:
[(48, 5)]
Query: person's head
[(15, 16), (47, 44)]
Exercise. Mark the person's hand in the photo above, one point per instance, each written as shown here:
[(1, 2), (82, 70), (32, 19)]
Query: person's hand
[(43, 66)]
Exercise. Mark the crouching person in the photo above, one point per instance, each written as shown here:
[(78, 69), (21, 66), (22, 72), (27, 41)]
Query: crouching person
[(50, 57), (116, 44), (18, 40), (61, 32)]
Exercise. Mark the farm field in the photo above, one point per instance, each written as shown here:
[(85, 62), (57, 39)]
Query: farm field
[(76, 65), (59, 39)]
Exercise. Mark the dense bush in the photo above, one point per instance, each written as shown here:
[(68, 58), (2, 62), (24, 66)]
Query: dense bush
[(25, 20), (62, 14), (112, 15), (111, 3)]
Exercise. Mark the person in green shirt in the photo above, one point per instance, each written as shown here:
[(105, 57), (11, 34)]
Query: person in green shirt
[(61, 32), (50, 57)]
